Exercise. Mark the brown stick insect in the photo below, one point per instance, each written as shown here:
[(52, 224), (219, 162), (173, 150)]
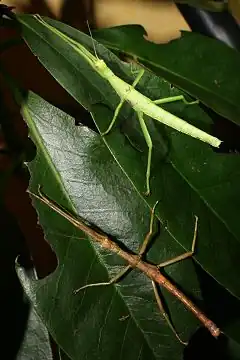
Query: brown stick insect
[(135, 261)]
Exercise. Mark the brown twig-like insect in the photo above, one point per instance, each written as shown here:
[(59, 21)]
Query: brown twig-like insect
[(135, 261)]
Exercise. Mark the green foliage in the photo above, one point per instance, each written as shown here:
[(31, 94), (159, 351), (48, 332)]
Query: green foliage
[(36, 343), (102, 180), (202, 66)]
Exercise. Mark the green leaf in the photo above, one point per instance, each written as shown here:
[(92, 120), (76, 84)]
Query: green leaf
[(76, 169), (62, 355), (206, 68), (104, 183), (36, 343)]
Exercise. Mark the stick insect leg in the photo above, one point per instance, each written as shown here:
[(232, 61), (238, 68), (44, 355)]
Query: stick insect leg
[(118, 108), (149, 144), (114, 280), (174, 98), (118, 277), (169, 262), (155, 290), (116, 112), (164, 313), (149, 234), (186, 254)]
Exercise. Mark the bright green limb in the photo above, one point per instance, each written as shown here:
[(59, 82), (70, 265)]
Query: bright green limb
[(149, 144), (116, 112), (164, 313), (149, 234), (187, 254), (114, 280), (118, 108), (138, 78), (174, 98)]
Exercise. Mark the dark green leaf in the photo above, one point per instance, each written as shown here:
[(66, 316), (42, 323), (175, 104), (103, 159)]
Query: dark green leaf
[(36, 344), (77, 170), (62, 355), (106, 188)]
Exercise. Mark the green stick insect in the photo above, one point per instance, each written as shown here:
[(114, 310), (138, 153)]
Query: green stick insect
[(141, 104)]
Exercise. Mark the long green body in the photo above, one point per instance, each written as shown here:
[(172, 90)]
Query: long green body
[(138, 101)]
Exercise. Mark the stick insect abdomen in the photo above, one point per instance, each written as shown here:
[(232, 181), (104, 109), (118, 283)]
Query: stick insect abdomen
[(165, 117), (140, 103), (156, 112)]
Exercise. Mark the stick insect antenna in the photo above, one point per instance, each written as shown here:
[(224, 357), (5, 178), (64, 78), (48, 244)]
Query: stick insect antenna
[(90, 32)]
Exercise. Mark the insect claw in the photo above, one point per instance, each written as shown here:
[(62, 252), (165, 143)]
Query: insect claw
[(147, 193)]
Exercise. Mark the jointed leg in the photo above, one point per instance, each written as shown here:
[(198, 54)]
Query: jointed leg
[(138, 78), (118, 108), (149, 234), (156, 293), (176, 259), (164, 313), (186, 254), (175, 98), (118, 277), (149, 144), (116, 112), (114, 280), (155, 290)]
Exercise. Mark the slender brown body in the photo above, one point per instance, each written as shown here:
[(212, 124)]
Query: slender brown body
[(152, 271), (154, 274)]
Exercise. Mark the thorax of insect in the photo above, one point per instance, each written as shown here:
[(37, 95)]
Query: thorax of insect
[(123, 89), (103, 70)]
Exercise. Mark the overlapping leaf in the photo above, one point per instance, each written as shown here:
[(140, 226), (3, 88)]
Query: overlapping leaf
[(104, 183), (36, 343), (76, 168)]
